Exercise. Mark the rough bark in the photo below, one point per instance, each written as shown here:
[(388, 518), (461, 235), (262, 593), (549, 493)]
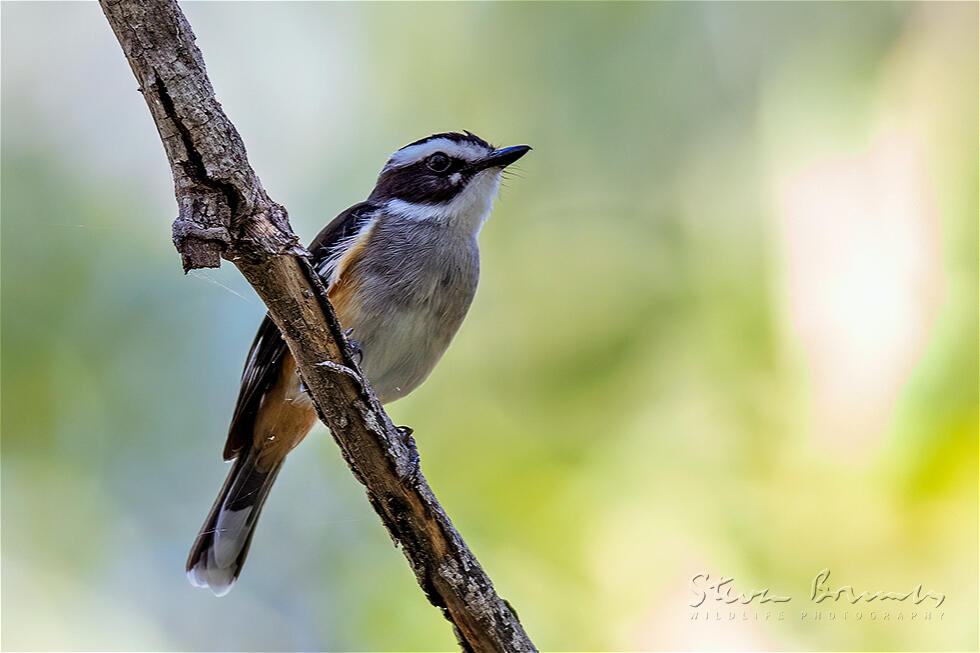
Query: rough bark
[(223, 212)]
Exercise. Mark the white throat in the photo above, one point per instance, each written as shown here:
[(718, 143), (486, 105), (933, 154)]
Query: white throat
[(466, 212)]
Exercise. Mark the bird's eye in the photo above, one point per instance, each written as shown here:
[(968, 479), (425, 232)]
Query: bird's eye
[(438, 162)]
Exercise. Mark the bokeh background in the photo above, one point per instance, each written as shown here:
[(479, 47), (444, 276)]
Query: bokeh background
[(727, 324)]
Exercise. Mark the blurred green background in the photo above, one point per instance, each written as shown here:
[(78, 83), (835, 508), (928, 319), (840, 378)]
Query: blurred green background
[(727, 324)]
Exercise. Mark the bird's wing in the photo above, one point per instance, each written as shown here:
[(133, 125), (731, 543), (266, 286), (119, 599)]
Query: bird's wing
[(268, 348)]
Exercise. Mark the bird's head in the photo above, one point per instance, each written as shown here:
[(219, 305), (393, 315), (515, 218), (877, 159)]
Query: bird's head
[(451, 178)]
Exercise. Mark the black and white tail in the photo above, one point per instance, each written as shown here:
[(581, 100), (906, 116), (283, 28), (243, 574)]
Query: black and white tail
[(219, 551)]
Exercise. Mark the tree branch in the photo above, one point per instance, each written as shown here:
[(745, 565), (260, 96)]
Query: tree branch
[(223, 212)]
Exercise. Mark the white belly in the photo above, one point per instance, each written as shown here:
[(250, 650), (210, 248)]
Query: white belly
[(404, 316), (400, 350)]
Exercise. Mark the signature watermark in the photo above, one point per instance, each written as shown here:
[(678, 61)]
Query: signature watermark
[(723, 591), (718, 599), (821, 591)]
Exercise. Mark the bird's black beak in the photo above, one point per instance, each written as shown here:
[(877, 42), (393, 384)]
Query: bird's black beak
[(503, 157)]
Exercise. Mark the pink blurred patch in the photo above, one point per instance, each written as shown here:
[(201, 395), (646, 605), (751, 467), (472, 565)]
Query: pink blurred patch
[(865, 281)]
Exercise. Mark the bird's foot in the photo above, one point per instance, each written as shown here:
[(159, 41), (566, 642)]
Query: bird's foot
[(413, 451), (353, 348)]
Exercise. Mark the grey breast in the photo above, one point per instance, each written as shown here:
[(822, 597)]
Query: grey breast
[(416, 283)]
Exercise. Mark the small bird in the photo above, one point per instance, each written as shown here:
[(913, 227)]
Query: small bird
[(400, 270)]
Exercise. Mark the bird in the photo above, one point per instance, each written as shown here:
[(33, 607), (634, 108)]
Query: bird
[(401, 270)]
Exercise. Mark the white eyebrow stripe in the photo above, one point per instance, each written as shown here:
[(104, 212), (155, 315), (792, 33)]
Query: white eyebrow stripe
[(414, 153)]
